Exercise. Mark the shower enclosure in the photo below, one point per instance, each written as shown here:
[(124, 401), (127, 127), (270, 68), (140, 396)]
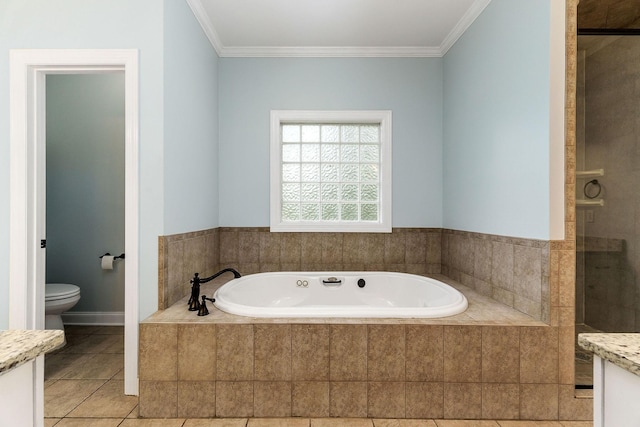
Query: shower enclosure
[(607, 188)]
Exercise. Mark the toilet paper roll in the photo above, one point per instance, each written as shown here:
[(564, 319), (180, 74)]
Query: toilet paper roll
[(107, 262)]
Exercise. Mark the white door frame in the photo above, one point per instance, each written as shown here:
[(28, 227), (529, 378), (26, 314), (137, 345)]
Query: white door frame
[(28, 70)]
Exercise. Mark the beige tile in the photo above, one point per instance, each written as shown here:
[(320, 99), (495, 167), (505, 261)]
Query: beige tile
[(482, 259), (158, 351), (352, 249), (386, 399), (386, 354), (529, 424), (342, 422), (234, 352), (348, 353), (87, 422), (310, 399), (463, 400), (109, 401), (527, 272), (311, 248), (395, 248), (290, 249), (220, 422), (270, 248), (272, 399), (502, 265), (424, 400), (96, 343), (424, 353), (109, 330), (500, 401), (158, 399), (58, 365), (466, 423), (416, 247), (538, 355), (500, 354), (310, 352), (98, 366), (64, 395), (196, 399), (50, 422), (572, 407), (197, 352), (348, 399), (272, 352), (403, 423), (277, 422), (248, 247), (566, 354), (331, 245), (152, 422), (462, 353), (576, 423), (434, 248), (373, 249), (228, 247), (234, 399), (539, 401)]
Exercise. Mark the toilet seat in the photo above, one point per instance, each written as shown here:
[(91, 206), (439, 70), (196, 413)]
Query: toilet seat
[(58, 291)]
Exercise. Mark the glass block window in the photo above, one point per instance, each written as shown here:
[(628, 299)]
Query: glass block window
[(331, 174)]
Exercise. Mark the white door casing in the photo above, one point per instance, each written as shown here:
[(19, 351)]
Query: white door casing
[(27, 74)]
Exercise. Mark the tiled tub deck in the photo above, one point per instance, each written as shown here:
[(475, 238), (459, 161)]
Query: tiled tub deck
[(489, 362)]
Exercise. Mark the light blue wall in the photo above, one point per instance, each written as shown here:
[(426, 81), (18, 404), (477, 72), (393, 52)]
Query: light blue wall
[(496, 123), (44, 24), (190, 123), (251, 87), (85, 186)]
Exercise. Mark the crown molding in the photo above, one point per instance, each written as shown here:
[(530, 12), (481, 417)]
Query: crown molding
[(329, 52), (463, 24), (203, 19), (332, 51)]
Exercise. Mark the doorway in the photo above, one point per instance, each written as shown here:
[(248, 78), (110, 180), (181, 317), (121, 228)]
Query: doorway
[(85, 192), (28, 71)]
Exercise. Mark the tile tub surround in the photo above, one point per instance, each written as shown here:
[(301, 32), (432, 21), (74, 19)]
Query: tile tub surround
[(181, 255), (491, 362), (257, 250), (513, 271), (20, 346)]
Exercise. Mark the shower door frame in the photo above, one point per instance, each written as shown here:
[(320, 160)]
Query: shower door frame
[(28, 70)]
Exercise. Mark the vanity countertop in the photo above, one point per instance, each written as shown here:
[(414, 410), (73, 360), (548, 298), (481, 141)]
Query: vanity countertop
[(622, 349), (20, 346)]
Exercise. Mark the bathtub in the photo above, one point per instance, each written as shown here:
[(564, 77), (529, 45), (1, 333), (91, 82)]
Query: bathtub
[(339, 294)]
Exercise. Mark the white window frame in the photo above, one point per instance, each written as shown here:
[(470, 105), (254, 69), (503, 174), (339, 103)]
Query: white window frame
[(381, 117)]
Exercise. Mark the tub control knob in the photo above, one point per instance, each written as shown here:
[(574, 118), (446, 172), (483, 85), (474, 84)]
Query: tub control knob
[(361, 283)]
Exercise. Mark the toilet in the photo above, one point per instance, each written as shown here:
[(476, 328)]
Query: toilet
[(59, 297)]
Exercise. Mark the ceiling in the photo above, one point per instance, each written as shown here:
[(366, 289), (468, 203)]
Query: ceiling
[(323, 28)]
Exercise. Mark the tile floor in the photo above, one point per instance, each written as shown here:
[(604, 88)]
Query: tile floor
[(84, 383)]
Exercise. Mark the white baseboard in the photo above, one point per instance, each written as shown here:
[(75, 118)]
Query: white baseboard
[(98, 318)]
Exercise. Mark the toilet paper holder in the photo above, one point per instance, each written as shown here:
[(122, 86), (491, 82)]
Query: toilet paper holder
[(121, 256)]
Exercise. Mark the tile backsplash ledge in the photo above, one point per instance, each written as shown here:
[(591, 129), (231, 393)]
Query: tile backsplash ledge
[(513, 271)]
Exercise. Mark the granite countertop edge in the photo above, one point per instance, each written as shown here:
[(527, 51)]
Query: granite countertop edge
[(19, 346), (621, 349)]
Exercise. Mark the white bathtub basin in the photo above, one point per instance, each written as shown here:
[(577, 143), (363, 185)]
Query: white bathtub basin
[(303, 294)]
